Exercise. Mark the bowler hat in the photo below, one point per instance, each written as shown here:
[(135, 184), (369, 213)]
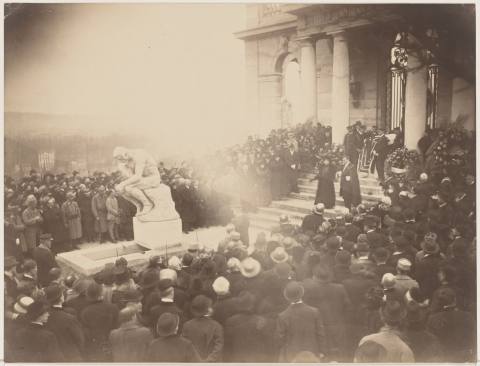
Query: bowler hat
[(149, 279), (201, 305), (167, 324), (293, 291)]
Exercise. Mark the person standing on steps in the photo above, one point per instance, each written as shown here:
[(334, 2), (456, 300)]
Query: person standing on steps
[(325, 187), (350, 185), (380, 151)]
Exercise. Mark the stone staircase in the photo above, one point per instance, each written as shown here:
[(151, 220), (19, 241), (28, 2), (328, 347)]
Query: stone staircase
[(297, 205)]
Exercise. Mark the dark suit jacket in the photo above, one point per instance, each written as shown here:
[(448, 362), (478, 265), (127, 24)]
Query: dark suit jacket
[(172, 349), (37, 344), (249, 338), (98, 319), (300, 328), (69, 333), (350, 185), (312, 222), (45, 262)]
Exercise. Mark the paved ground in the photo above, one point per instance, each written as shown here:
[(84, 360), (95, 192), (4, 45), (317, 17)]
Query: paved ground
[(208, 237)]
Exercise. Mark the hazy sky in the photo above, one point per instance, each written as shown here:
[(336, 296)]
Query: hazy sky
[(174, 72)]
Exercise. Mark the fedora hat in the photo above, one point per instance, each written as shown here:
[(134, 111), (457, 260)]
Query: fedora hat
[(250, 267), (21, 306), (279, 255), (318, 209), (288, 242)]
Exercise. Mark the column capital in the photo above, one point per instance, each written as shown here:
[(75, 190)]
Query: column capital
[(306, 41)]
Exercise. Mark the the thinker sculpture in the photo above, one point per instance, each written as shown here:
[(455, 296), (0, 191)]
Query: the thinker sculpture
[(143, 186)]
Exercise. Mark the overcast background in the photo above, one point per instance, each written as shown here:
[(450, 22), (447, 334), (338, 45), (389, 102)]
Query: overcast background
[(170, 73)]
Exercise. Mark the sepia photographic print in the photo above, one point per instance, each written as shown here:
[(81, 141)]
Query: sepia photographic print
[(240, 182)]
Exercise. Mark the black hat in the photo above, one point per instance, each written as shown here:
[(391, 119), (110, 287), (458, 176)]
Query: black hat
[(200, 305), (293, 291), (94, 291), (36, 309), (53, 293), (165, 284), (149, 279), (46, 237)]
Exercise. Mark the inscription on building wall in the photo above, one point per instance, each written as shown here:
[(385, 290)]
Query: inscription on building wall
[(269, 10), (343, 13)]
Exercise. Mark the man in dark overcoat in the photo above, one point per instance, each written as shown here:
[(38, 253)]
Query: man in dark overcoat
[(98, 320), (350, 185), (64, 325), (44, 258), (35, 342), (300, 327)]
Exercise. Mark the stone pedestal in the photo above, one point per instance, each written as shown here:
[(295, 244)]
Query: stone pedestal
[(340, 88), (156, 234)]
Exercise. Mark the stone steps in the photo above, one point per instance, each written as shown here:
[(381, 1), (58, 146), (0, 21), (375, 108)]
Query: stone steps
[(297, 205)]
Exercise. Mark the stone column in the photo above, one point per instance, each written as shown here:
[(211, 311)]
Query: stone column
[(340, 87), (308, 79), (415, 101)]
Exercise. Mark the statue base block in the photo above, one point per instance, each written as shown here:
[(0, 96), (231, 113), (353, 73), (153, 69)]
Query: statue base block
[(155, 235)]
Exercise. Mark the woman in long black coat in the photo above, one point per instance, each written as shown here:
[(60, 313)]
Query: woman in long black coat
[(325, 188)]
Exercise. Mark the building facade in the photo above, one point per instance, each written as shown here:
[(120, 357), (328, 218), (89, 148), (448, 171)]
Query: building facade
[(393, 66)]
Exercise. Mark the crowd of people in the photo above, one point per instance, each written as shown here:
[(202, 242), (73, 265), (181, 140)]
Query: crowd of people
[(78, 209), (391, 282)]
